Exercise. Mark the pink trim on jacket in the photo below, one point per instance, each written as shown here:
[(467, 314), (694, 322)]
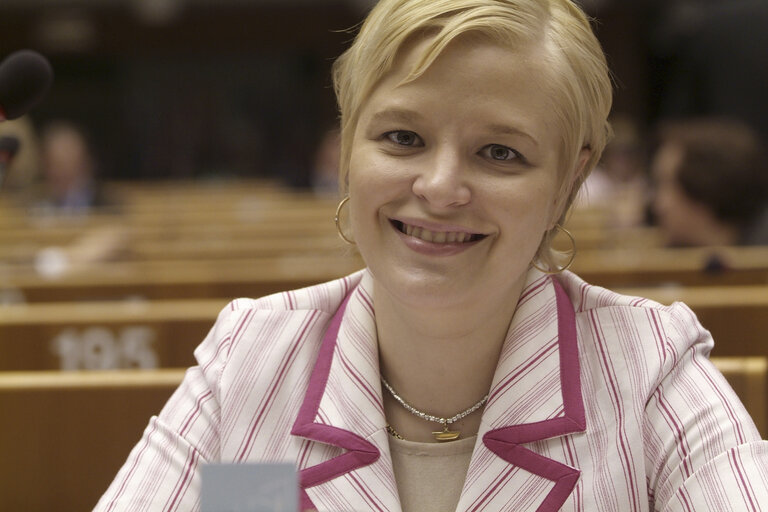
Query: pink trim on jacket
[(361, 452), (505, 442)]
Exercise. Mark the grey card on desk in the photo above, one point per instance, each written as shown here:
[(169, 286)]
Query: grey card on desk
[(264, 487)]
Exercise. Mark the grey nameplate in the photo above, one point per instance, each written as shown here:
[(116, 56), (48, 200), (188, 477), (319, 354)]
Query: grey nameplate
[(265, 487)]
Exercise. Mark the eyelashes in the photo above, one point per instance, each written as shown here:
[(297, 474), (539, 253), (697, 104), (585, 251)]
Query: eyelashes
[(494, 152), (404, 138), (501, 153)]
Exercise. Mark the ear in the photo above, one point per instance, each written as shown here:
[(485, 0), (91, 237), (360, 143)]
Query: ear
[(574, 177)]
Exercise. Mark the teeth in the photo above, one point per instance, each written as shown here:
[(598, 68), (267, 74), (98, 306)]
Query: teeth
[(438, 237)]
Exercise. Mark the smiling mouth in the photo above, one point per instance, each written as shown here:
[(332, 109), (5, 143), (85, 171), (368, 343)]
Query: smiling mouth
[(437, 237)]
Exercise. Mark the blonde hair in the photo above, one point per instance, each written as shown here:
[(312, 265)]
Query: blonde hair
[(579, 78)]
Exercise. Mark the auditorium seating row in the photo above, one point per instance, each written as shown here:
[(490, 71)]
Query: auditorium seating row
[(163, 333), (166, 277)]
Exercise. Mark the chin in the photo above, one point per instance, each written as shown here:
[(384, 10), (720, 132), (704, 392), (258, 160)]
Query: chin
[(423, 289)]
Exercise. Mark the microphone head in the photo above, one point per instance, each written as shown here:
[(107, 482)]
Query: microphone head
[(25, 77), (9, 145)]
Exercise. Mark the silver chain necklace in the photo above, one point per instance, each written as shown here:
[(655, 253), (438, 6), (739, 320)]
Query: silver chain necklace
[(445, 434)]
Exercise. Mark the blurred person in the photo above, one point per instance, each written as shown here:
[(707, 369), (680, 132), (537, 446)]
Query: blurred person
[(70, 187), (711, 183), (464, 368), (325, 169), (619, 182), (69, 181)]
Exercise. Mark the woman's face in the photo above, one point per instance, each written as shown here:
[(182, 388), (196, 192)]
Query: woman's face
[(453, 176)]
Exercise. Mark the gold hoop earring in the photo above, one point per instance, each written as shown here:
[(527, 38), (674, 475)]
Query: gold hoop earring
[(570, 260), (336, 219)]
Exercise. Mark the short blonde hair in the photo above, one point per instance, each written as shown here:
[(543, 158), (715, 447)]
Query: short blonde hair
[(580, 76)]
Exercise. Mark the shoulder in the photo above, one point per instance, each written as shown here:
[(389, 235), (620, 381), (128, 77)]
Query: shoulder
[(325, 297), (274, 322), (642, 331), (591, 299)]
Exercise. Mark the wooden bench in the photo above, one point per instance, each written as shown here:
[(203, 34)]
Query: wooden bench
[(164, 332), (737, 316), (170, 279), (64, 435), (206, 205), (104, 335), (221, 244), (722, 266)]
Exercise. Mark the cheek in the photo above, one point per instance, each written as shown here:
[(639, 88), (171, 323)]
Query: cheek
[(540, 203), (371, 184), (375, 175), (363, 175), (524, 211)]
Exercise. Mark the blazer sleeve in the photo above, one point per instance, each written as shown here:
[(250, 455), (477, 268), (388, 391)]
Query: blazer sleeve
[(162, 470), (703, 451)]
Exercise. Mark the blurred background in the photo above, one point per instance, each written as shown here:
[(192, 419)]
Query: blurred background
[(188, 89), (218, 88)]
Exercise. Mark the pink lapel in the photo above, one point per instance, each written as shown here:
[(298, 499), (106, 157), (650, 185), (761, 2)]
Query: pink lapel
[(343, 408), (506, 441), (536, 396)]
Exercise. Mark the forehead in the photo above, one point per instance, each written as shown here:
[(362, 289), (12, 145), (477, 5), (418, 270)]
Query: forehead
[(486, 79)]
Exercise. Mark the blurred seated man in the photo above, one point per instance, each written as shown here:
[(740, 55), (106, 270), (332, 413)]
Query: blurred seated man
[(68, 171), (711, 184), (325, 168), (70, 187)]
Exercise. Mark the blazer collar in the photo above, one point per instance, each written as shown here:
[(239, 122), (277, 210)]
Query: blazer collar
[(535, 395), (343, 408)]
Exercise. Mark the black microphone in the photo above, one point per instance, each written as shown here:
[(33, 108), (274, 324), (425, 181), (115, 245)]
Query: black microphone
[(25, 77), (9, 145)]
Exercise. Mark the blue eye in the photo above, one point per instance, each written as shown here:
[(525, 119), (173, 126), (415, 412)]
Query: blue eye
[(403, 138), (499, 152)]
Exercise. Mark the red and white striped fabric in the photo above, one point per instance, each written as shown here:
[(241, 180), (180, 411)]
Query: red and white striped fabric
[(600, 402)]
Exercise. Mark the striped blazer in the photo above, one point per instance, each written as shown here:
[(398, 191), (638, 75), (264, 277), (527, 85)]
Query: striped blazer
[(600, 402)]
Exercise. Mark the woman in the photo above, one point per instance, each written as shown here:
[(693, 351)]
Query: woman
[(452, 374)]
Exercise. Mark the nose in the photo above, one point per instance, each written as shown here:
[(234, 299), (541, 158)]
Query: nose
[(442, 180)]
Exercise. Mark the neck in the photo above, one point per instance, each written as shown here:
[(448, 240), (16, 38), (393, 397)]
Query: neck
[(440, 360)]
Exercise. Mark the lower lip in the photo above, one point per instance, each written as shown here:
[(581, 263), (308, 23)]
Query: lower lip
[(433, 249)]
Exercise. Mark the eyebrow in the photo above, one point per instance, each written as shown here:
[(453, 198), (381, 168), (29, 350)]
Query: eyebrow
[(511, 130), (396, 114)]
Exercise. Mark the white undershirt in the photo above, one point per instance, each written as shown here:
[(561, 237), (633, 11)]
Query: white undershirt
[(430, 476)]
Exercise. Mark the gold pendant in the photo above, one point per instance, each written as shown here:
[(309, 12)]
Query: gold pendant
[(446, 435)]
